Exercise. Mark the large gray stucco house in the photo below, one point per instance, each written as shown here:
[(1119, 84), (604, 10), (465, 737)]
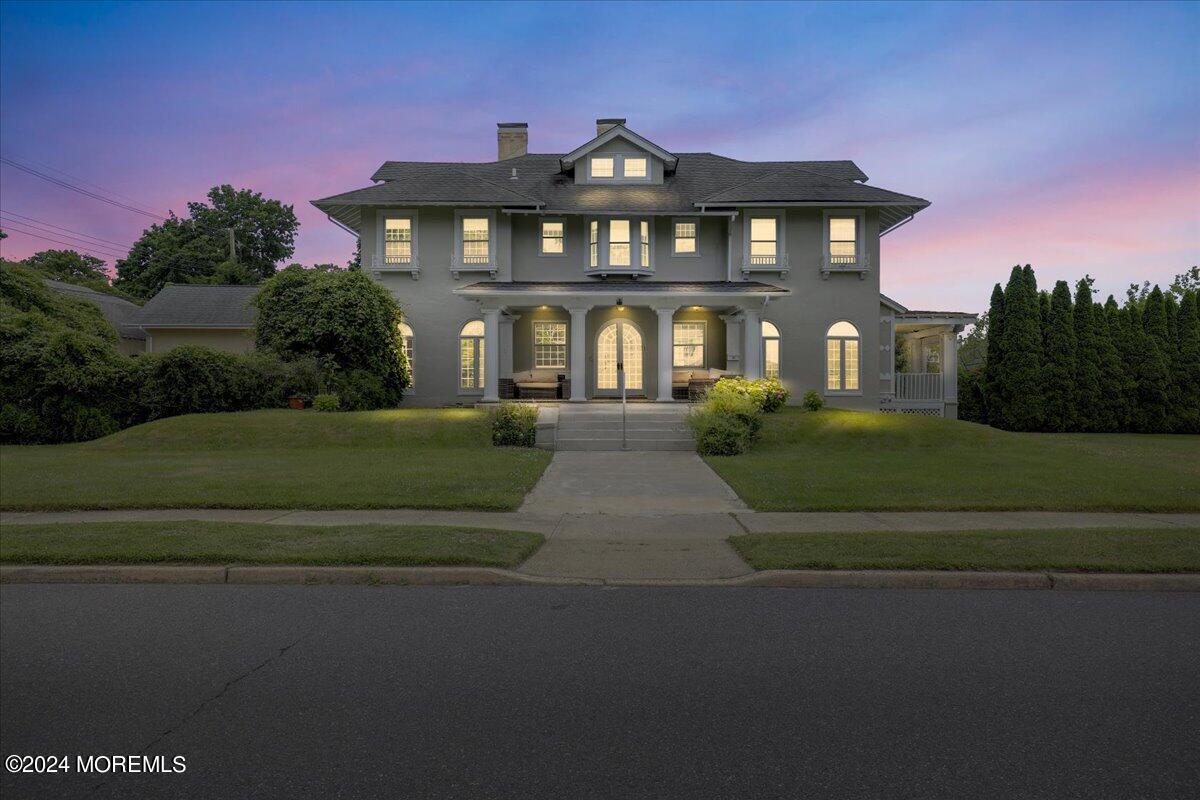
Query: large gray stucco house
[(536, 275)]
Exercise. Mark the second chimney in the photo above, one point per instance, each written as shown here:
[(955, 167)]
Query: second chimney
[(512, 139), (603, 125)]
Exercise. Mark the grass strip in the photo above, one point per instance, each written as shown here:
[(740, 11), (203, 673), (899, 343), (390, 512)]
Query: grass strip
[(1082, 550), (194, 542)]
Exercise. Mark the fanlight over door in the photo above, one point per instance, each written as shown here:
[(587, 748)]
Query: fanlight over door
[(618, 341)]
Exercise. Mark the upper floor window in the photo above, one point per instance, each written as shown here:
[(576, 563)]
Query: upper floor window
[(550, 345), (644, 229), (688, 344), (552, 238), (398, 240), (634, 167), (618, 243), (684, 240), (475, 240), (764, 240), (841, 357), (843, 240), (602, 166), (594, 243)]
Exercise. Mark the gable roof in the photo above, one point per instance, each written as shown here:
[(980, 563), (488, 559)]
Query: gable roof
[(187, 305), (117, 310), (618, 132)]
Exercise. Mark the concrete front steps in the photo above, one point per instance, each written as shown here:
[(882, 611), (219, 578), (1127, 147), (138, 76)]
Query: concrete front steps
[(647, 427)]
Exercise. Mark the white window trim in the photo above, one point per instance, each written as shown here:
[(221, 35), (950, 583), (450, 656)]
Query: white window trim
[(566, 343), (377, 265), (703, 344), (542, 239), (456, 265), (694, 221), (781, 260), (635, 266), (618, 175), (862, 264), (479, 362), (825, 348)]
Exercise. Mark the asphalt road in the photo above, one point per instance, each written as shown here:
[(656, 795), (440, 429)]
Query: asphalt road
[(605, 693)]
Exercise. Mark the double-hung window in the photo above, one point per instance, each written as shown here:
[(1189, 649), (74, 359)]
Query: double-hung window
[(843, 240), (688, 344), (684, 242), (841, 358), (618, 243), (764, 241), (476, 240), (594, 243), (552, 238), (644, 230), (550, 345), (397, 240)]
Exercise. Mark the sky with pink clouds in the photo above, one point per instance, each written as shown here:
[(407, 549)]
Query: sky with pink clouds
[(1062, 135)]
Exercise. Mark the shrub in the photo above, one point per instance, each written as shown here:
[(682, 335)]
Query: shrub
[(281, 379), (719, 434), (775, 395), (360, 389), (192, 379), (813, 400), (326, 402), (768, 394), (514, 425)]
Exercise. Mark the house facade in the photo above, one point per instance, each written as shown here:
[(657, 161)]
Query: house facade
[(623, 265)]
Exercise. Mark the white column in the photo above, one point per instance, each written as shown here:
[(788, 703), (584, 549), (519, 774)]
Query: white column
[(506, 344), (733, 342), (666, 351), (491, 355), (950, 367), (752, 355), (578, 354)]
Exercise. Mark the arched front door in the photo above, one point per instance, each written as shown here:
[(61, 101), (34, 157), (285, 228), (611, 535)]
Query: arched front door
[(619, 340)]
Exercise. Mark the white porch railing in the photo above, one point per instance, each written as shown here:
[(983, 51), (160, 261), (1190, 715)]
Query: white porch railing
[(919, 386)]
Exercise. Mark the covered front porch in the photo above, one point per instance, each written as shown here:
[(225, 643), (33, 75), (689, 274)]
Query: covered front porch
[(589, 340), (925, 369)]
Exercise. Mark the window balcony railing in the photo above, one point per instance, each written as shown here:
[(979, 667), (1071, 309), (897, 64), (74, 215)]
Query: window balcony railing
[(775, 262), (484, 259), (919, 386), (845, 262), (395, 262)]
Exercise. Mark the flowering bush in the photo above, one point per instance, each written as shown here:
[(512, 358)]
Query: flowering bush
[(768, 394)]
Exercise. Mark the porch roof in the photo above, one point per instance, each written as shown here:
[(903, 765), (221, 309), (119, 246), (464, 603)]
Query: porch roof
[(614, 292), (912, 320)]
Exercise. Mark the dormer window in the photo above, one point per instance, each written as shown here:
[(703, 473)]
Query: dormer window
[(602, 167), (634, 167)]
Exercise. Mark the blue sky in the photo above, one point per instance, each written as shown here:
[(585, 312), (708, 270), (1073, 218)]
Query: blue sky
[(1064, 135)]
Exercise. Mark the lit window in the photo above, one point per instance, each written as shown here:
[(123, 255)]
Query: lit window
[(843, 240), (685, 238), (635, 167), (594, 243), (550, 344), (475, 241), (397, 241), (471, 356), (406, 343), (602, 167), (841, 358), (689, 344), (618, 243), (764, 240), (770, 339), (552, 238), (645, 252)]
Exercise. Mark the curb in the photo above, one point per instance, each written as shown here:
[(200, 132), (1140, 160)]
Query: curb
[(491, 576)]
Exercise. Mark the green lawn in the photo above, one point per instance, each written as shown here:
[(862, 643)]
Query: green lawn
[(258, 543), (1103, 550), (856, 461), (404, 458)]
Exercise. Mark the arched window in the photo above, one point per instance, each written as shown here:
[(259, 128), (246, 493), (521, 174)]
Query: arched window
[(470, 356), (406, 342), (841, 358), (770, 340)]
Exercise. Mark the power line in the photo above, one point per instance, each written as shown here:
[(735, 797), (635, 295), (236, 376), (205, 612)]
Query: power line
[(60, 227), (90, 250), (85, 192), (78, 179)]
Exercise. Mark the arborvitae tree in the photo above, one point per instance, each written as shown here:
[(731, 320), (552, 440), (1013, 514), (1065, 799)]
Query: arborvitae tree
[(1021, 382), (1171, 305), (1061, 363), (1187, 365), (1120, 393), (993, 366), (1089, 399), (1044, 316), (1148, 368), (1154, 317)]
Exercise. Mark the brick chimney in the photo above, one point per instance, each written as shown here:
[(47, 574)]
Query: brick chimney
[(603, 125), (512, 139)]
